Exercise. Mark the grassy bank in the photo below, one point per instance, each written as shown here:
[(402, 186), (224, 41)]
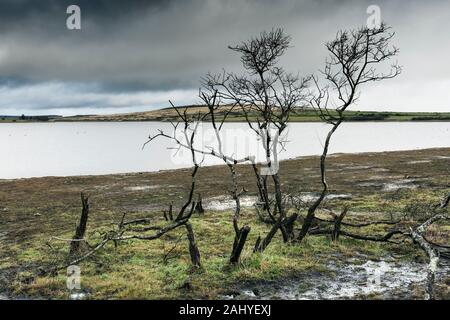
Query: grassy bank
[(374, 186), (307, 115)]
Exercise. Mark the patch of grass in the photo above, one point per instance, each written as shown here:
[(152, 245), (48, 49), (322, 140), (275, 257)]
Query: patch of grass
[(137, 270), (161, 269)]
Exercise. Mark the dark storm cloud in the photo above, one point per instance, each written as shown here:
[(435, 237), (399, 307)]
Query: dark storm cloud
[(132, 45), (38, 47), (141, 35), (129, 53), (24, 11)]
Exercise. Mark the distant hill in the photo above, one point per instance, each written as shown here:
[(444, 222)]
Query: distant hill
[(236, 115)]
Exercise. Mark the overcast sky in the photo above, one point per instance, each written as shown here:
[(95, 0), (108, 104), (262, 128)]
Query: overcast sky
[(135, 55)]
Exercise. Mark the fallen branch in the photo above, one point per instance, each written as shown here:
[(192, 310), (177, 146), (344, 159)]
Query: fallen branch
[(137, 221), (432, 252), (360, 225), (433, 256), (383, 238)]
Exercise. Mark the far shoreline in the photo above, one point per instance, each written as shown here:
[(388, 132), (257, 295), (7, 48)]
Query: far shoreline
[(221, 166), (170, 115), (227, 121)]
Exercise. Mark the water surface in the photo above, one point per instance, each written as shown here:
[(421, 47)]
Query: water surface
[(90, 148)]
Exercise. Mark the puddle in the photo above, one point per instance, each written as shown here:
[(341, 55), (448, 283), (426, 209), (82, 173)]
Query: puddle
[(380, 169), (383, 178), (389, 280), (337, 196), (358, 167), (222, 203), (418, 161), (400, 184), (312, 196), (141, 188), (78, 296), (370, 184)]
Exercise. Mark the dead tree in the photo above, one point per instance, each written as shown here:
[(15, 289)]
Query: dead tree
[(352, 61), (143, 229), (267, 96), (433, 255), (432, 250), (81, 228), (124, 233), (212, 101), (189, 131)]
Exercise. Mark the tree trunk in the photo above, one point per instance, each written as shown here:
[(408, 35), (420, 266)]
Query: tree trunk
[(262, 245), (199, 207), (337, 225), (193, 249), (280, 206), (170, 213), (289, 225), (312, 210), (261, 189), (81, 228), (239, 243)]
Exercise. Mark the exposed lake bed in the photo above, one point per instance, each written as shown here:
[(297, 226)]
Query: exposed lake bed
[(36, 209)]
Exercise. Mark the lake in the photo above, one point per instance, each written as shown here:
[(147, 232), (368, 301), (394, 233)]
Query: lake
[(90, 148)]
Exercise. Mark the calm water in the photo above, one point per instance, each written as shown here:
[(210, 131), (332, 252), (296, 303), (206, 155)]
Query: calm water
[(84, 148)]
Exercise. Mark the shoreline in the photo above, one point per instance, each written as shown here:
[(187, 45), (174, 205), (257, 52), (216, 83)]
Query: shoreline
[(330, 155), (169, 114), (226, 121)]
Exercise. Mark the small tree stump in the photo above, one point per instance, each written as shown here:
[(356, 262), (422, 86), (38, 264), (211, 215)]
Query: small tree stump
[(239, 243), (337, 225), (199, 207)]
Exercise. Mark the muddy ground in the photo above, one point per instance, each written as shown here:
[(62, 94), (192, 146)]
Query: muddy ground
[(373, 185)]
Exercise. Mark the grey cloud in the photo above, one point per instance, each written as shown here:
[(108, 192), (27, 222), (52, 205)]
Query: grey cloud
[(130, 47)]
